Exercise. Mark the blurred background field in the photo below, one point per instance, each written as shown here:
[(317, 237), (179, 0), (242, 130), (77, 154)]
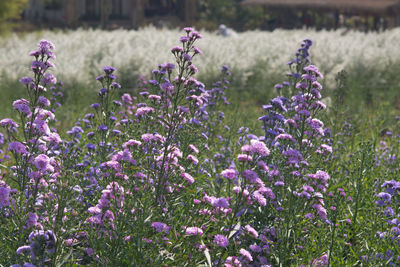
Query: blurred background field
[(258, 60)]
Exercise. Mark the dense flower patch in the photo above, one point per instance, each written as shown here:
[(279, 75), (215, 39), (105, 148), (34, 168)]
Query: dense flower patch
[(159, 179)]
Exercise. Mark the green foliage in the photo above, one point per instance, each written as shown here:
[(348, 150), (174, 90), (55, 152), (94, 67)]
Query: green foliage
[(229, 12), (10, 10)]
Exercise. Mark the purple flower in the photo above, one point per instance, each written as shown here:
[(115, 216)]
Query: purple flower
[(309, 216), (24, 249), (108, 70), (102, 128), (38, 66), (313, 69), (147, 137), (116, 85), (42, 163), (126, 99), (76, 131), (197, 50), (187, 57), (17, 147), (321, 211), (95, 105), (160, 227), (294, 156), (143, 110), (22, 105), (176, 49), (193, 231), (195, 35), (32, 220), (90, 135), (184, 39), (266, 191), (49, 79), (229, 174), (259, 148), (250, 175), (188, 29), (321, 261), (9, 124), (257, 195), (193, 158), (221, 240), (45, 46), (320, 175), (26, 80), (221, 203), (308, 77), (103, 91), (285, 136), (4, 196), (387, 197), (193, 148), (43, 101), (193, 68), (244, 158), (91, 147)]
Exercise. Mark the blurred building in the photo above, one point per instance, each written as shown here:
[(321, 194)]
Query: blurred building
[(109, 13), (365, 14)]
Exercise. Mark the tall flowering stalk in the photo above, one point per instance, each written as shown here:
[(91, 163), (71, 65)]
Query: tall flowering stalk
[(299, 147), (33, 165)]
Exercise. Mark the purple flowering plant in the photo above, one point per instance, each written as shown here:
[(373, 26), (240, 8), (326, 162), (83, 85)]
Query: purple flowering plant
[(163, 178)]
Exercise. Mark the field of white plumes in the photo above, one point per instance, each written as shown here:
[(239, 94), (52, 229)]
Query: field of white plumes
[(81, 53)]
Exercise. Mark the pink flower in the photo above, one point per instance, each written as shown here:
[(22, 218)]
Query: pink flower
[(193, 148), (246, 254), (244, 158), (194, 160), (143, 110), (250, 230), (259, 147), (321, 211), (194, 231), (229, 174), (130, 143), (188, 177), (147, 137), (321, 261)]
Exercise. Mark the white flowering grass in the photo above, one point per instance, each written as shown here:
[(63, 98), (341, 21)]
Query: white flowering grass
[(81, 53)]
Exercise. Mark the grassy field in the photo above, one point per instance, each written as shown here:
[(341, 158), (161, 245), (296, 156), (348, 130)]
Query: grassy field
[(257, 60)]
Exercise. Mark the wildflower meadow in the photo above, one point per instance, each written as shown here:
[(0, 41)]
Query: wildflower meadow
[(169, 174)]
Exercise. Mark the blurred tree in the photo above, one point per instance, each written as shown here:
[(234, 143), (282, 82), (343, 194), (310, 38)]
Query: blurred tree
[(10, 10), (53, 4), (229, 12), (105, 11)]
